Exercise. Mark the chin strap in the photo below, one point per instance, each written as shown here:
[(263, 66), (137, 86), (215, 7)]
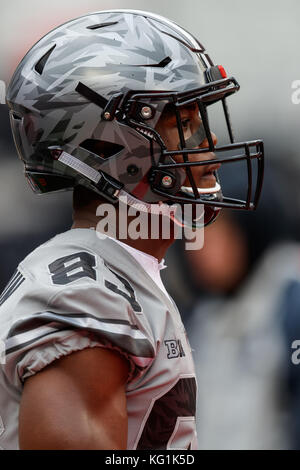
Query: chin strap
[(160, 207), (163, 209), (153, 208)]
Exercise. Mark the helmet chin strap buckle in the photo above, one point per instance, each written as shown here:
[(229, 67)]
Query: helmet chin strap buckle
[(108, 186), (160, 207), (111, 189)]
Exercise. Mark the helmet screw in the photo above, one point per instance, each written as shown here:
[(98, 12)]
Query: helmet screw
[(132, 170), (167, 181), (106, 116), (146, 112)]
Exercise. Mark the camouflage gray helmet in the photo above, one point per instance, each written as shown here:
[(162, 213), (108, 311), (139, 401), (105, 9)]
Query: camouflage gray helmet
[(86, 99)]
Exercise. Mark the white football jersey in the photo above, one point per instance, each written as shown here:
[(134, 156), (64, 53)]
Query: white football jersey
[(79, 291)]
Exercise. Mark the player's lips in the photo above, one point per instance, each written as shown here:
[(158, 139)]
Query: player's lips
[(209, 169), (205, 175)]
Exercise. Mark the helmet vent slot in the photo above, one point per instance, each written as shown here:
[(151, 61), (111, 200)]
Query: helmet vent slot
[(101, 25), (40, 65), (163, 63), (102, 148)]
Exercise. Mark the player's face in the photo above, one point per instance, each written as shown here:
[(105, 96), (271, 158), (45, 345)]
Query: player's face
[(191, 122)]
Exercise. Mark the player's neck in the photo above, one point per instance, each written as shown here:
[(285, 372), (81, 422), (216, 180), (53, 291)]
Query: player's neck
[(157, 247)]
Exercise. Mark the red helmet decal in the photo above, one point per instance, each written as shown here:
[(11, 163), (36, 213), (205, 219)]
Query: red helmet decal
[(222, 71)]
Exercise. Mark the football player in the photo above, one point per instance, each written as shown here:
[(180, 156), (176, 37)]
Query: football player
[(114, 105)]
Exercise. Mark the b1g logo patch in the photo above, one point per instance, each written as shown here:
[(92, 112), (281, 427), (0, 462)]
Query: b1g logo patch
[(174, 348)]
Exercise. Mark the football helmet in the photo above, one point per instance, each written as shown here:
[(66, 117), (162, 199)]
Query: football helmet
[(85, 105)]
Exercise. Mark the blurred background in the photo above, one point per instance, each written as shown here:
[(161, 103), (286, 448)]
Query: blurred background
[(238, 296)]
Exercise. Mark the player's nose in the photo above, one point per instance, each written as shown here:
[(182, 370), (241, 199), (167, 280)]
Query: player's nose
[(205, 142)]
